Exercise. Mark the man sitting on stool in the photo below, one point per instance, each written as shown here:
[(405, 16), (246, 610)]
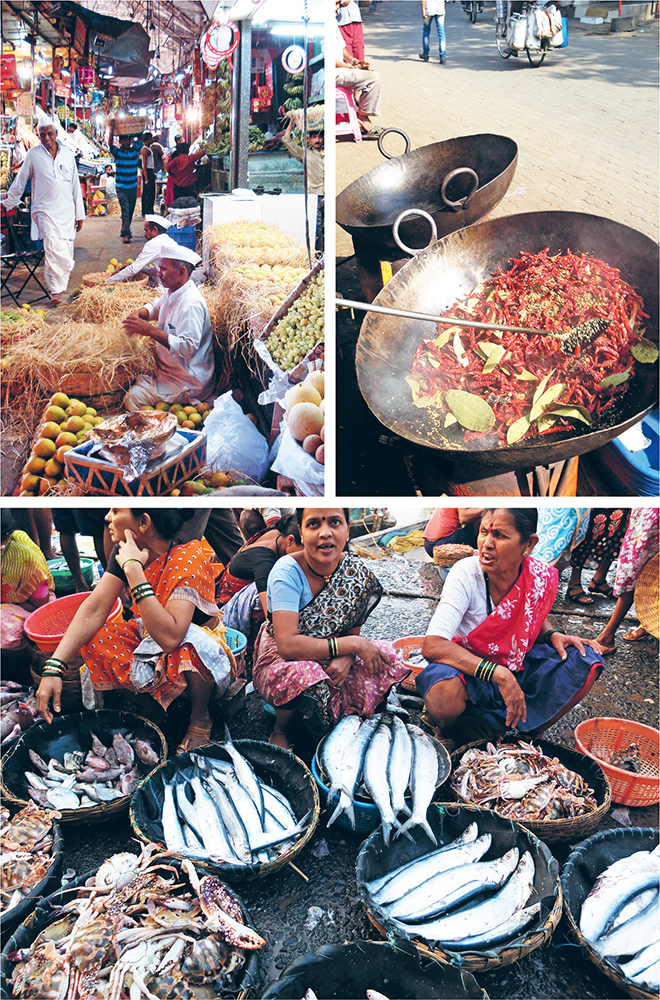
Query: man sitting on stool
[(183, 337), (155, 233)]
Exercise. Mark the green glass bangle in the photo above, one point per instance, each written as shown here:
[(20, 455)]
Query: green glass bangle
[(126, 561), (548, 635), (142, 597), (51, 673), (56, 660)]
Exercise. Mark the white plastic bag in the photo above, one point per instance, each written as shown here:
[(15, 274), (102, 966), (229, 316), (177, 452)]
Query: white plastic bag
[(517, 32), (533, 41), (294, 463), (233, 442)]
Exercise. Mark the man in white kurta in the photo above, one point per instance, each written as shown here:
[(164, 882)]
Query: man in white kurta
[(148, 260), (57, 206), (183, 340)]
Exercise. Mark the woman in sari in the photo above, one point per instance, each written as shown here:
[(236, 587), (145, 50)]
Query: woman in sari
[(26, 582), (490, 645), (311, 660), (168, 647)]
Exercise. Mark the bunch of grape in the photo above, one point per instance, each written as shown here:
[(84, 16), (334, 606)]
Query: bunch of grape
[(301, 328)]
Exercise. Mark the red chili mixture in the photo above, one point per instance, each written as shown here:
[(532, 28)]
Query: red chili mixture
[(501, 387)]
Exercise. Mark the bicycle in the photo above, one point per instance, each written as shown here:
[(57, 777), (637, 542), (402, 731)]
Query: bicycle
[(536, 56), (472, 8)]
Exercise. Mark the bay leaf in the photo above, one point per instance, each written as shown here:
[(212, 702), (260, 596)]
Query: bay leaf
[(525, 376), (645, 352), (617, 379), (494, 359), (576, 412), (518, 429), (444, 337), (545, 401), (472, 412), (450, 419), (540, 389), (434, 363), (545, 421)]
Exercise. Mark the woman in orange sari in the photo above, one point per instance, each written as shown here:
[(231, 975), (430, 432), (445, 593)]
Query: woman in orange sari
[(167, 647)]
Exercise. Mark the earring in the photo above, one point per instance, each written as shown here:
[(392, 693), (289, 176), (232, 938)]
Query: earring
[(142, 528)]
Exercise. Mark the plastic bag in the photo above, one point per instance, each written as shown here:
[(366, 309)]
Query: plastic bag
[(294, 463), (533, 41), (233, 442), (517, 32)]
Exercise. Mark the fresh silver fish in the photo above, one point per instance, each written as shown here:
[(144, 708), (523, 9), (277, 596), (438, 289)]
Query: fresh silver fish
[(508, 929), (245, 806), (276, 808), (451, 888), (625, 939), (245, 773), (486, 916), (423, 780), (643, 960), (336, 742), (36, 781), (649, 977), (172, 832), (63, 798), (220, 821), (375, 778), (399, 764), (352, 763), (468, 836), (416, 873), (613, 889), (638, 903), (187, 809)]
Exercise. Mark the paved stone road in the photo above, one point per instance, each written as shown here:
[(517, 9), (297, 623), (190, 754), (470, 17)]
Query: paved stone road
[(585, 121)]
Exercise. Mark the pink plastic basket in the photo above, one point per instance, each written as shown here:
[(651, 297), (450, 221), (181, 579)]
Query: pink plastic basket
[(46, 626)]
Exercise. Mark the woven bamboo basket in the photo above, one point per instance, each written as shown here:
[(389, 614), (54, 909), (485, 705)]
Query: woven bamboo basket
[(646, 596), (448, 555), (49, 883), (279, 767), (584, 865), (85, 384), (448, 820), (555, 830), (73, 732)]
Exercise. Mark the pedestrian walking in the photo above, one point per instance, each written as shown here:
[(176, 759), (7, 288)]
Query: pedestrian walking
[(349, 20), (148, 174), (57, 206), (126, 164), (433, 10)]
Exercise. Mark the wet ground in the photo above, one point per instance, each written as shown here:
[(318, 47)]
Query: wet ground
[(300, 910)]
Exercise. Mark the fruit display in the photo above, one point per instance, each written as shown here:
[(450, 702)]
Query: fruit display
[(306, 415), (190, 418), (302, 326), (64, 425), (208, 482)]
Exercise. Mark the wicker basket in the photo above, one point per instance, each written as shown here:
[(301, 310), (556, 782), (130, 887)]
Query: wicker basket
[(448, 555), (584, 865), (410, 646), (646, 596), (601, 738), (279, 767), (554, 830), (73, 732), (448, 820), (78, 384)]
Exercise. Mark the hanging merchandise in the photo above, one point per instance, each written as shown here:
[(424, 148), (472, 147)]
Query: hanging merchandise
[(219, 41), (294, 59)]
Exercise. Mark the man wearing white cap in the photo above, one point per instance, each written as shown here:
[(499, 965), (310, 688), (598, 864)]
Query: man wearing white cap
[(155, 233), (57, 206), (182, 338)]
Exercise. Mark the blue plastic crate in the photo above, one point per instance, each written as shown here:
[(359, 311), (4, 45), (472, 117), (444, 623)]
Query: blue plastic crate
[(185, 237)]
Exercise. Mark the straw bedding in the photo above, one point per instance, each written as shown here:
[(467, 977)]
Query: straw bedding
[(235, 243), (110, 303)]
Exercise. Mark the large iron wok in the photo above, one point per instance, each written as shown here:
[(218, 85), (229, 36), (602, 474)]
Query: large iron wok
[(448, 270), (368, 207)]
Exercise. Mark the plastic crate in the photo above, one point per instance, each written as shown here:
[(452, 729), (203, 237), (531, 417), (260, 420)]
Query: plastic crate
[(185, 237), (594, 737), (104, 478)]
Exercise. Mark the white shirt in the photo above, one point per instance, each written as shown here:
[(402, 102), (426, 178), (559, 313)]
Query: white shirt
[(349, 14), (463, 603), (56, 201), (434, 7), (149, 254), (186, 363)]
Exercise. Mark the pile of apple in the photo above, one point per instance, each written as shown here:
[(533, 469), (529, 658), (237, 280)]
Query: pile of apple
[(65, 424), (306, 416)]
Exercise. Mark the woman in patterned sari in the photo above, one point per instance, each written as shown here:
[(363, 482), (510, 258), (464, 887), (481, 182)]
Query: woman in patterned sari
[(311, 660), (490, 645), (168, 647)]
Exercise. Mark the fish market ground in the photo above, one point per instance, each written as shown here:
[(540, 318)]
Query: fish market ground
[(296, 916)]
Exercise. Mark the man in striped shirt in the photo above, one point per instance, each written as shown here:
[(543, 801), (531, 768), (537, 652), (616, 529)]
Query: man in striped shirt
[(126, 167)]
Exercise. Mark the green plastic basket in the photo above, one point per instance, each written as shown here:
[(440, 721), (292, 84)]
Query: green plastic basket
[(64, 584)]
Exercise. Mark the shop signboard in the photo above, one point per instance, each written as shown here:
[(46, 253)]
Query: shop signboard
[(86, 76), (80, 36), (9, 77), (24, 103), (62, 89), (169, 113)]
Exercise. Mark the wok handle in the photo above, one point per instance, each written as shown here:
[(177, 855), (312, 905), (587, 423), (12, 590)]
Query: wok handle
[(404, 215), (430, 317), (462, 202), (387, 131)]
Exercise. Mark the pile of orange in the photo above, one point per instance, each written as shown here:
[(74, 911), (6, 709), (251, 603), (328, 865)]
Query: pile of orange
[(65, 424)]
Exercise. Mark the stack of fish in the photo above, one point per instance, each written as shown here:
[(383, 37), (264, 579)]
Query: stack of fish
[(621, 917), (27, 843), (388, 757), (84, 779), (223, 812), (18, 710), (521, 782), (426, 897)]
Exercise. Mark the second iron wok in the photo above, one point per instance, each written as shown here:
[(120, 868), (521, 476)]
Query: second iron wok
[(451, 268)]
